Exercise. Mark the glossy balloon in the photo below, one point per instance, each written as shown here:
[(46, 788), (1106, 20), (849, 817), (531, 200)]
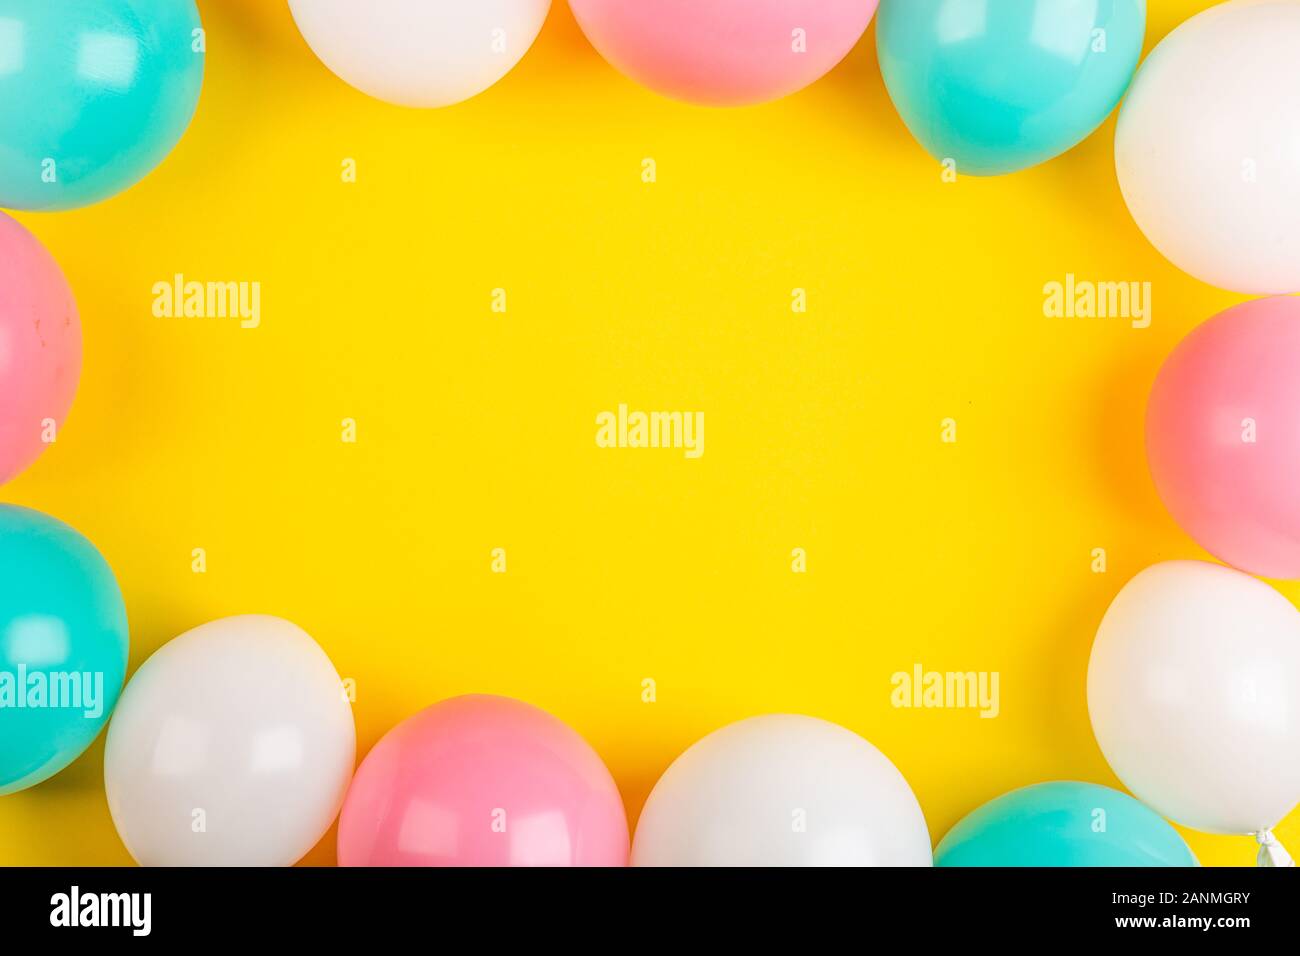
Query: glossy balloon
[(417, 52), (63, 646), (40, 348), (92, 95), (782, 790), (1001, 86), (232, 746), (1063, 824), (483, 781), (1223, 436), (724, 52), (1208, 146), (1194, 694)]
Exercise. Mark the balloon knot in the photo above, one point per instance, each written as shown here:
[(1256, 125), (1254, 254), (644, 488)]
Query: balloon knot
[(1271, 852)]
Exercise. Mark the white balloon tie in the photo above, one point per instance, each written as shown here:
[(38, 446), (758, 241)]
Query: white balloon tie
[(1271, 853)]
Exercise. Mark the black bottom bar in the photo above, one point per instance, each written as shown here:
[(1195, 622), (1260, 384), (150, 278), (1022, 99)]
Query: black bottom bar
[(463, 908)]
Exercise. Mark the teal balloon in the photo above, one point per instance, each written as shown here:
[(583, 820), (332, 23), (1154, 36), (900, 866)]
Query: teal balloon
[(1001, 85), (1063, 824), (93, 95), (63, 646)]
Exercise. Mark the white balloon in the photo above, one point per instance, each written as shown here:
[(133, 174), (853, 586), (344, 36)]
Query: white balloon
[(782, 790), (1194, 695), (232, 745), (1208, 146), (420, 52)]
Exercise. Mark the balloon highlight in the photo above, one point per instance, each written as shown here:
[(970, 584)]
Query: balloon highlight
[(782, 790), (483, 781), (93, 96), (232, 746), (1205, 149), (724, 52), (417, 53), (998, 87), (1223, 436), (63, 646), (1063, 824), (1193, 688)]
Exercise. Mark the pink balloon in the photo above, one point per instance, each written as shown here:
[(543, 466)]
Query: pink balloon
[(1223, 436), (483, 781), (40, 348), (724, 52)]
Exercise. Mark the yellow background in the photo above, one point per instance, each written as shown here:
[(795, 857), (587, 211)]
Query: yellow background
[(476, 430)]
